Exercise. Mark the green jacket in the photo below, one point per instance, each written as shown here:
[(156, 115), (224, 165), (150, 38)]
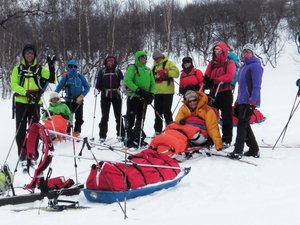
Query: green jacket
[(167, 86), (142, 78), (59, 108), (29, 84)]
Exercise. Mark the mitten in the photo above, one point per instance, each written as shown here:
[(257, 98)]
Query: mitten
[(182, 121)]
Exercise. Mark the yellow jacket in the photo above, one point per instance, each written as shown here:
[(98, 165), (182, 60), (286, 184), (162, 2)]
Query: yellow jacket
[(205, 112)]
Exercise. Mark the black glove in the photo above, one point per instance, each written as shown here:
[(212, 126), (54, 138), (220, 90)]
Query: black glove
[(31, 97), (182, 121), (208, 82), (147, 96), (51, 60)]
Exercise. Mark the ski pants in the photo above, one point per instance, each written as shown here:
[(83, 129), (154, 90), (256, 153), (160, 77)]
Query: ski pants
[(162, 106), (136, 114), (25, 114), (223, 102), (105, 108), (244, 131)]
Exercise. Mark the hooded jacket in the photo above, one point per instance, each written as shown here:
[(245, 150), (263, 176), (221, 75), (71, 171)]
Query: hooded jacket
[(250, 80), (30, 75), (74, 83), (142, 78), (166, 86), (215, 69), (207, 114)]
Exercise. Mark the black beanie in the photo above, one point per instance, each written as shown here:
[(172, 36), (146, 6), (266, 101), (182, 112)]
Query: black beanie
[(185, 60), (29, 47)]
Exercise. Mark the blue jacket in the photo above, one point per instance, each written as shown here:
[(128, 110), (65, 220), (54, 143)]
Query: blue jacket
[(74, 83), (249, 80)]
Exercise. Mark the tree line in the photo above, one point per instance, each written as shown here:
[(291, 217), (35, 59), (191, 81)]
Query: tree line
[(89, 30)]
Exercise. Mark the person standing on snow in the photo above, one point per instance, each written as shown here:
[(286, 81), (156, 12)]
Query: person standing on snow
[(109, 81), (141, 87), (249, 83), (190, 78), (76, 88), (218, 76), (28, 81), (164, 72)]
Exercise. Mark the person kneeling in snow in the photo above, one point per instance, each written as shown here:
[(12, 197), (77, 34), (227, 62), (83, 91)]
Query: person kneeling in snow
[(195, 111), (60, 115)]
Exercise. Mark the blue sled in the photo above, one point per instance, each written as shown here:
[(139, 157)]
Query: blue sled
[(119, 196)]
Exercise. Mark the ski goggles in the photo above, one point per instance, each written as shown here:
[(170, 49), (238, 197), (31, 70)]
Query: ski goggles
[(72, 66)]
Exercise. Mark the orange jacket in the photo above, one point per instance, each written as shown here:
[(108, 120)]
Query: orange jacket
[(205, 112)]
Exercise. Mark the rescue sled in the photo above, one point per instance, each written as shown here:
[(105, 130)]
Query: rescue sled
[(119, 196)]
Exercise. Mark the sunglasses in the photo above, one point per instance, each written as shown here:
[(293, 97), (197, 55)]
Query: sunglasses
[(193, 100), (247, 51), (72, 66)]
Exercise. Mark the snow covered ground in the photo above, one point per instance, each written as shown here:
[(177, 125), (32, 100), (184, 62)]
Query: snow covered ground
[(216, 191)]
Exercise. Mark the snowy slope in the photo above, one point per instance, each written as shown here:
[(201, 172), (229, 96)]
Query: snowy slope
[(217, 190)]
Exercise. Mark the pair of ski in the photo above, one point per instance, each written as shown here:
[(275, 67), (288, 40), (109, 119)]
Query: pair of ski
[(194, 152), (52, 194), (265, 144)]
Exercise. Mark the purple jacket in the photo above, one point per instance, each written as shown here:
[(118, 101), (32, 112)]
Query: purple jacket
[(249, 80)]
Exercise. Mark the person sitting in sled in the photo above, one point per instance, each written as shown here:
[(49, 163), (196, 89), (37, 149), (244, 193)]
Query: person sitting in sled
[(60, 115), (197, 112)]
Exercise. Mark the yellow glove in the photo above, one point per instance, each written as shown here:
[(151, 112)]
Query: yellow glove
[(79, 99)]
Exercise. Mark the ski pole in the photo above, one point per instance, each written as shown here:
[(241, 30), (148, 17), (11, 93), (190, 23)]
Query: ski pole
[(157, 113), (177, 105), (142, 123), (94, 116)]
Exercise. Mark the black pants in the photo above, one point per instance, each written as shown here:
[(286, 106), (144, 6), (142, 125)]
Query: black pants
[(25, 114), (223, 102), (244, 131), (136, 114), (162, 105), (77, 109), (105, 108)]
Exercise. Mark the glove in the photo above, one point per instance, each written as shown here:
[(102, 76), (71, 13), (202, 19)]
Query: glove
[(251, 104), (182, 121), (181, 91), (51, 60), (163, 73), (31, 97), (144, 94), (208, 82), (79, 99)]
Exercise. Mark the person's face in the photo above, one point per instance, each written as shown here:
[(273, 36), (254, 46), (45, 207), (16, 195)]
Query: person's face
[(157, 59), (143, 59), (110, 64), (247, 53), (187, 64), (72, 67), (218, 50), (29, 56), (192, 103)]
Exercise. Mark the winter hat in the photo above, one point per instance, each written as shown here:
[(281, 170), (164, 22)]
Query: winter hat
[(190, 94), (157, 54), (110, 59), (29, 48), (187, 60), (54, 95), (250, 47)]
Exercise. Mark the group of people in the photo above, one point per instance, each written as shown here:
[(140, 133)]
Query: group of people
[(143, 85)]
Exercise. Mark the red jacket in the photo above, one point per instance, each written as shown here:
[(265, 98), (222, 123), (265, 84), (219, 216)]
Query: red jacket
[(193, 78), (216, 69)]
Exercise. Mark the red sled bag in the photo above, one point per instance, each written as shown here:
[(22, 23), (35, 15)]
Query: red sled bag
[(110, 176)]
